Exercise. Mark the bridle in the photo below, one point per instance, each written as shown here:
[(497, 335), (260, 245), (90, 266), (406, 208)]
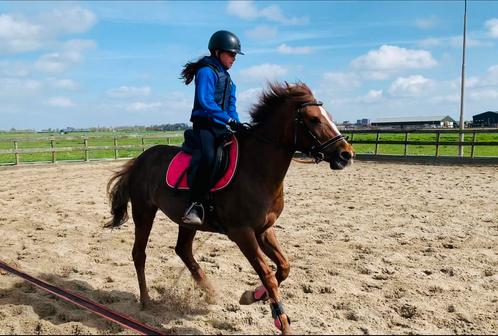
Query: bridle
[(316, 151), (317, 148)]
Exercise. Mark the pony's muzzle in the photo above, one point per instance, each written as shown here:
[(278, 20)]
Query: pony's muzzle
[(342, 158), (346, 155)]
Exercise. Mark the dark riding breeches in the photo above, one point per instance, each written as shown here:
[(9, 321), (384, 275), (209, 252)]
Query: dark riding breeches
[(209, 138)]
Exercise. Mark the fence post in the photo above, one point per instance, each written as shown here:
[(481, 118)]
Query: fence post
[(169, 141), (473, 142), (115, 148), (16, 147), (406, 144), (52, 148), (352, 136), (438, 137), (85, 143), (143, 144), (377, 143)]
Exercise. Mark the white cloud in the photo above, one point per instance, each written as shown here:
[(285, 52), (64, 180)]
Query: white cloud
[(373, 95), (129, 91), (449, 98), (57, 62), (14, 69), (246, 99), (67, 20), (244, 9), (430, 42), (410, 86), (78, 45), (10, 87), (20, 34), (483, 94), (262, 33), (427, 23), (249, 95), (453, 42), (263, 71), (142, 106), (248, 10), (285, 49), (492, 26), (67, 84), (60, 102), (347, 80), (393, 58), (489, 79)]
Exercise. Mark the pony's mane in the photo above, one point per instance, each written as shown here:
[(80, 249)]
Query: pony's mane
[(276, 94)]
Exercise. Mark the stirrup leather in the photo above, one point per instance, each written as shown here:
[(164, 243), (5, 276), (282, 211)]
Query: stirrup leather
[(190, 208)]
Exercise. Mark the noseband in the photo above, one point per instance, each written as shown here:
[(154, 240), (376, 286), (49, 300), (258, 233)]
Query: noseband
[(317, 148)]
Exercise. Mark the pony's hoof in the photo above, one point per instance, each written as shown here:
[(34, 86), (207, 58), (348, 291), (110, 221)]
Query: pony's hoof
[(283, 324), (247, 298), (259, 294), (144, 304), (209, 291)]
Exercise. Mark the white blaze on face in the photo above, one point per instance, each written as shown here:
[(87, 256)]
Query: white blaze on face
[(332, 125)]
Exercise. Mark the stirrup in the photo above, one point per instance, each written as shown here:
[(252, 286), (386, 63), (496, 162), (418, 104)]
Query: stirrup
[(189, 209)]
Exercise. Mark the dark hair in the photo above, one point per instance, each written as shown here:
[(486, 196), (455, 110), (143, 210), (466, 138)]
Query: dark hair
[(190, 69)]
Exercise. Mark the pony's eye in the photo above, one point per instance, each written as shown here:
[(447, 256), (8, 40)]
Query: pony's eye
[(315, 120)]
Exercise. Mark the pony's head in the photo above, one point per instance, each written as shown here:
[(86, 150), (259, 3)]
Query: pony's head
[(307, 126)]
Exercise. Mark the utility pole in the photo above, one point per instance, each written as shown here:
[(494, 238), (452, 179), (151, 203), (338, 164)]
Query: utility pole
[(462, 89)]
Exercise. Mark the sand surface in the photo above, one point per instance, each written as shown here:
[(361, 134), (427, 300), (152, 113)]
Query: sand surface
[(376, 248)]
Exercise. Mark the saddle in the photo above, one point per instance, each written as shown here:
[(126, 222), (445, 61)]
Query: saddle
[(178, 174)]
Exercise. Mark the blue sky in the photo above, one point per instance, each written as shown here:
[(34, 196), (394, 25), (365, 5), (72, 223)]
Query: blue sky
[(98, 63)]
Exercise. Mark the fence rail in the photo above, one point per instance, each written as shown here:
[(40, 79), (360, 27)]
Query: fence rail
[(432, 138), (81, 145), (369, 144)]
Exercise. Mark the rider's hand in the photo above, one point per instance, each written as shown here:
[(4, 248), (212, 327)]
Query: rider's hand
[(237, 126)]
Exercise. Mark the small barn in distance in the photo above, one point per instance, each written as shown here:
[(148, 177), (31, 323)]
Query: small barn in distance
[(485, 119), (415, 122)]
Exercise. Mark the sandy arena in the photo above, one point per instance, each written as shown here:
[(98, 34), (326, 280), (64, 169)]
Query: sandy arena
[(376, 248)]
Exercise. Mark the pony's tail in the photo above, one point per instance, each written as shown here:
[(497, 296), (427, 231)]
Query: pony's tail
[(118, 193)]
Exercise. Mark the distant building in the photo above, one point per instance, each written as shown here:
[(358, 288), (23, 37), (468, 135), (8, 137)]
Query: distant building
[(486, 119), (416, 122), (363, 122)]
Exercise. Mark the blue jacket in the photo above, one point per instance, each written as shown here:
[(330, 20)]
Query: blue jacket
[(210, 88)]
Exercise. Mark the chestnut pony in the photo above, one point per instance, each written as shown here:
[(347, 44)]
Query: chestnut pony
[(286, 119)]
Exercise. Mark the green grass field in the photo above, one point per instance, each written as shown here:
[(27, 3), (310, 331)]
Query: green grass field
[(75, 141)]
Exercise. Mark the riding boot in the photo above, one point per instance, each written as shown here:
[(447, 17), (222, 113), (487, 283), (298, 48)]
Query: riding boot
[(194, 215)]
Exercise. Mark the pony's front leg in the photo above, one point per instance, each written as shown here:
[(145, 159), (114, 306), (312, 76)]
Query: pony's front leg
[(271, 247), (247, 241)]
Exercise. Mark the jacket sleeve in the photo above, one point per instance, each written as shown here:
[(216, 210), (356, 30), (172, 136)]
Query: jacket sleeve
[(205, 81), (232, 109)]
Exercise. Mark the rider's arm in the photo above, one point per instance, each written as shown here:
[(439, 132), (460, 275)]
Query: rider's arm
[(205, 81), (232, 109)]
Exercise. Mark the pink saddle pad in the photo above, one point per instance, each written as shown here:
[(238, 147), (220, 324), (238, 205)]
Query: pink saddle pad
[(181, 162)]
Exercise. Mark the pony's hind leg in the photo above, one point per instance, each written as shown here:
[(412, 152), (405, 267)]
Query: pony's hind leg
[(184, 250), (143, 218)]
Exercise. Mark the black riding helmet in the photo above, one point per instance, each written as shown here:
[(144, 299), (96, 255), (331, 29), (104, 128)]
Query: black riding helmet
[(225, 40)]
